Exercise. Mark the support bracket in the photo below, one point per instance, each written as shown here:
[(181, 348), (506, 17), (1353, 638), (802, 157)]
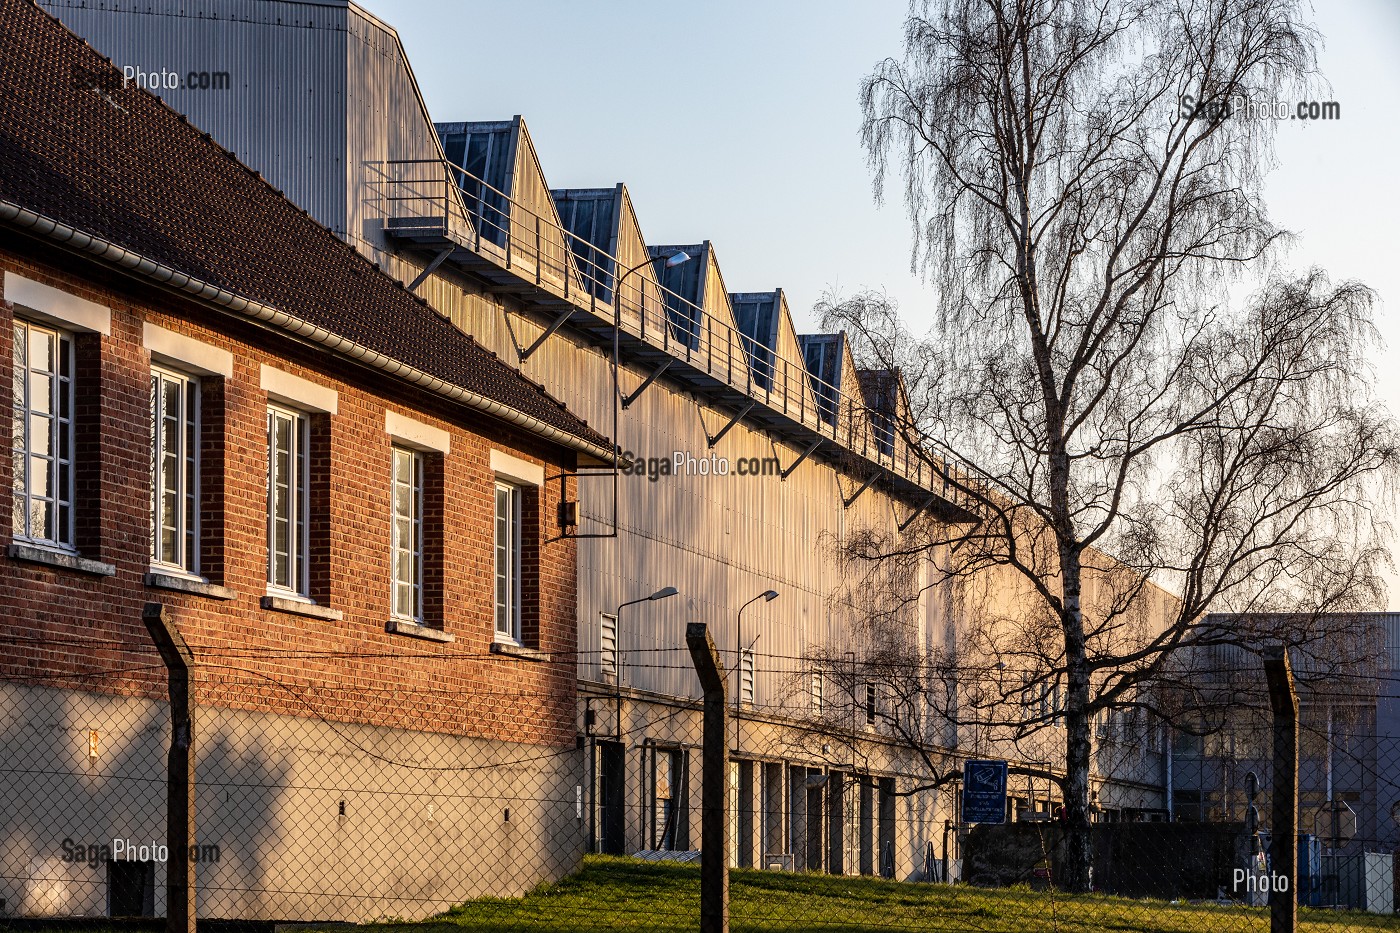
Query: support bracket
[(851, 500), (548, 332), (916, 513), (646, 383), (811, 449), (431, 267), (738, 416)]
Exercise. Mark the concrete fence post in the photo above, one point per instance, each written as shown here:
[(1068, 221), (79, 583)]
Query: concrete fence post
[(1283, 905), (179, 808), (714, 818)]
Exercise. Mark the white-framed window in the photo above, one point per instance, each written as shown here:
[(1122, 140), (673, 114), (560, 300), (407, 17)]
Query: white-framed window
[(406, 544), (43, 435), (746, 678), (287, 501), (818, 692), (607, 644), (174, 470), (870, 704), (508, 502)]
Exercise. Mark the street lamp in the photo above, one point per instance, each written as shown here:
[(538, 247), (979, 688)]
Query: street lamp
[(675, 259), (664, 593), (670, 262), (767, 596)]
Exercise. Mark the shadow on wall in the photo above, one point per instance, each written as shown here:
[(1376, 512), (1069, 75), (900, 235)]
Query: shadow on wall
[(83, 769), (327, 820), (298, 819)]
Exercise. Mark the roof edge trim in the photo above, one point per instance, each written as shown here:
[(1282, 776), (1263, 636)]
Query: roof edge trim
[(211, 294)]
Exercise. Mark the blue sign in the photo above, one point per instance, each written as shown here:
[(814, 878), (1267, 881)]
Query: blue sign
[(984, 792)]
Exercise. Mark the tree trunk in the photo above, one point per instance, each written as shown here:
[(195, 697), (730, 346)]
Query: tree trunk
[(1078, 857), (1075, 868)]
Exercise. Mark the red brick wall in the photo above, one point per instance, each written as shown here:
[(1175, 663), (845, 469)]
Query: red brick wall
[(63, 624)]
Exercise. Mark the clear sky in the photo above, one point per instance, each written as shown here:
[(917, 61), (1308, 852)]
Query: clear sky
[(739, 123)]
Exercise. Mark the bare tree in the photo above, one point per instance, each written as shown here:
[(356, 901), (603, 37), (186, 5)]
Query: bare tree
[(1085, 205)]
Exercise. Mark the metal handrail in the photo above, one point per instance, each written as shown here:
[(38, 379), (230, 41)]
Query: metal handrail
[(495, 225)]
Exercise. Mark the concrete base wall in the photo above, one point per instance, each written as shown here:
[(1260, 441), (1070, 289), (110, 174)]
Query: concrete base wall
[(804, 805), (312, 820)]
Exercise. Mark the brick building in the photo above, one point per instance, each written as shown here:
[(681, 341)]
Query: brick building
[(350, 510)]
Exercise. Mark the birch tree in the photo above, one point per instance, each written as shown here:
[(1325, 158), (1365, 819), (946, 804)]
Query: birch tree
[(1119, 364)]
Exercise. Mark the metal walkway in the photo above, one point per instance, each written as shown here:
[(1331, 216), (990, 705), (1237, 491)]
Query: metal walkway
[(437, 210)]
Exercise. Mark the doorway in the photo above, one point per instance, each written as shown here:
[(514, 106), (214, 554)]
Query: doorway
[(612, 798)]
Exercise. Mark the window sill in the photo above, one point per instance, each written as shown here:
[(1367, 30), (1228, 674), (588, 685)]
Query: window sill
[(417, 630), (183, 584), (509, 650), (301, 607), (37, 554)]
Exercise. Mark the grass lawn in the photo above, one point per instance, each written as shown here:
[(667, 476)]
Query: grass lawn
[(626, 894)]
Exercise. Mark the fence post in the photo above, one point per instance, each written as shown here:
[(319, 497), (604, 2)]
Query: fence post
[(714, 821), (179, 806), (1283, 905)]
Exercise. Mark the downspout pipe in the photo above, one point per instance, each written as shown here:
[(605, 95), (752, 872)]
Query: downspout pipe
[(163, 275)]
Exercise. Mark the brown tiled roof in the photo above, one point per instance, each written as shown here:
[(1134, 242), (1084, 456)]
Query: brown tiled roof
[(118, 164)]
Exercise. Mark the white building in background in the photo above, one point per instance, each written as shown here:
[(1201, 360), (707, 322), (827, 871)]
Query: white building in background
[(761, 449)]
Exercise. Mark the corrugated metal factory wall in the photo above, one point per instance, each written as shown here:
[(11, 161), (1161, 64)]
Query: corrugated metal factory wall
[(284, 111)]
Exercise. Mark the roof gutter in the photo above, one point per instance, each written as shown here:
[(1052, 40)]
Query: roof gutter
[(171, 278)]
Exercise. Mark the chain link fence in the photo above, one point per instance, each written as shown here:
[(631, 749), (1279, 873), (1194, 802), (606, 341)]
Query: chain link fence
[(305, 813)]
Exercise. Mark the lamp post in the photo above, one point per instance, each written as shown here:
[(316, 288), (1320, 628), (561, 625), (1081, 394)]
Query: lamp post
[(670, 262), (662, 593), (744, 845), (767, 596)]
